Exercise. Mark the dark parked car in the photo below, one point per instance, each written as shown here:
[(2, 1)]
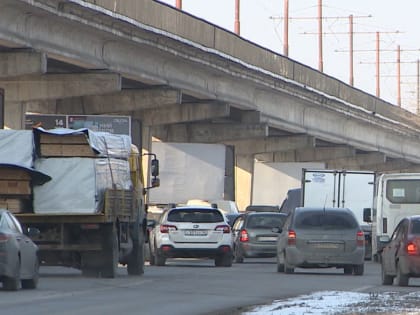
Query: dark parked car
[(19, 264), (321, 238), (253, 235), (400, 258)]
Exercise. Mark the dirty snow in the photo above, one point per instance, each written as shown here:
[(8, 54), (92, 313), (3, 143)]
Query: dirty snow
[(343, 303)]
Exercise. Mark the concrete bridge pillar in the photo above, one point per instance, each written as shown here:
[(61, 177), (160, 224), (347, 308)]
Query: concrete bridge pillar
[(243, 180)]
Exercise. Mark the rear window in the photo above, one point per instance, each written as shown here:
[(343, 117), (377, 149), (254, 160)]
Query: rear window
[(415, 227), (325, 220), (195, 215), (265, 221)]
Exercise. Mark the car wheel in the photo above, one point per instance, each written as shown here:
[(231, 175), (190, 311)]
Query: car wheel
[(358, 270), (239, 258), (287, 267), (280, 266), (152, 260), (402, 279), (32, 283), (386, 279), (160, 260), (224, 260), (12, 283), (348, 270)]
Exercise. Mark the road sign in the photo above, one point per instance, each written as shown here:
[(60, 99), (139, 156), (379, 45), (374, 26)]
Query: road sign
[(108, 123), (45, 121), (112, 124)]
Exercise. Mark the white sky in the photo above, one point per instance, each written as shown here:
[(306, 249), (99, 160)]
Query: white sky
[(397, 22)]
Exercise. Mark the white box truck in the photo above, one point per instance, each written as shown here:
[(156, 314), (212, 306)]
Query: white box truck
[(397, 196), (343, 189)]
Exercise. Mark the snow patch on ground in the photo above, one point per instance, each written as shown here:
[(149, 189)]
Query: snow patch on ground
[(338, 302)]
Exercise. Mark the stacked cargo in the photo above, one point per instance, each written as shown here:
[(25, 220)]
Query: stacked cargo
[(17, 176), (82, 164)]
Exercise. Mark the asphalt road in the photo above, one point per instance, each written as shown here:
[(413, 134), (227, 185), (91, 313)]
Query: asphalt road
[(187, 287)]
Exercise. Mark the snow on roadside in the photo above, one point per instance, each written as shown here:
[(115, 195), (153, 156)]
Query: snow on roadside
[(338, 302)]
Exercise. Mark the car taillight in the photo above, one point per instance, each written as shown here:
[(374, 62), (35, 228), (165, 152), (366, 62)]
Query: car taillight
[(411, 248), (166, 228), (4, 238), (224, 228), (291, 237), (244, 237), (360, 238)]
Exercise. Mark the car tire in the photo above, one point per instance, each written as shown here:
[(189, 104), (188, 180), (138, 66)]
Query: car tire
[(239, 258), (12, 283), (287, 268), (401, 278), (280, 266), (358, 270), (224, 260), (386, 279), (160, 260), (33, 282), (152, 259), (348, 270)]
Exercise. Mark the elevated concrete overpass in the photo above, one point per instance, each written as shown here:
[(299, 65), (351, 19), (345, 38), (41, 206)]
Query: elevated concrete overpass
[(182, 79)]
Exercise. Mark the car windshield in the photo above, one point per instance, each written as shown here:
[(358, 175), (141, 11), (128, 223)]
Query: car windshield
[(265, 221), (325, 220), (195, 215)]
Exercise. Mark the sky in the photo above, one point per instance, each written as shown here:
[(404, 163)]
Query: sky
[(261, 21), (341, 302)]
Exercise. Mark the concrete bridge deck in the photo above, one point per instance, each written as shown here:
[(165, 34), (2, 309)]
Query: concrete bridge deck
[(182, 79)]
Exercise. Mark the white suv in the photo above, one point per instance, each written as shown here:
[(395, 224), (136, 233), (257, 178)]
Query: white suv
[(192, 232)]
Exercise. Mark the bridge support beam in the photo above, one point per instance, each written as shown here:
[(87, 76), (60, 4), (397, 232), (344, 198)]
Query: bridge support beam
[(360, 160), (183, 113), (55, 86), (209, 133), (318, 154), (272, 144), (14, 64), (123, 101)]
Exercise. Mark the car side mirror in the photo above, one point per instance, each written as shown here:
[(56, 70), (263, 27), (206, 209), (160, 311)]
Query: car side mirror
[(384, 239), (367, 215), (154, 165)]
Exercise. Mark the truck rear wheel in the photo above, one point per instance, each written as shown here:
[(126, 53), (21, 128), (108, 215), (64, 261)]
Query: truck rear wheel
[(135, 264), (110, 252)]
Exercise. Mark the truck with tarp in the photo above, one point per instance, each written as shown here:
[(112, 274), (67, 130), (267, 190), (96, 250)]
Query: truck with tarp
[(88, 201)]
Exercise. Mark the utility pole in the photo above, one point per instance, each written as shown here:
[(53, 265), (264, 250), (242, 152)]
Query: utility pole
[(351, 74), (320, 56), (286, 29), (237, 22)]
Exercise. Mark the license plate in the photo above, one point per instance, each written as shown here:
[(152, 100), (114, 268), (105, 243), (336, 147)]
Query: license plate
[(195, 233), (326, 245), (267, 238)]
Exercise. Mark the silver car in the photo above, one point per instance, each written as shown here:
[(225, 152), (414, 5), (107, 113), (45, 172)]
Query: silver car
[(321, 238), (253, 235), (19, 264)]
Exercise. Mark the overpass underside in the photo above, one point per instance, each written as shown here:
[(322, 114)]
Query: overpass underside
[(184, 80)]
